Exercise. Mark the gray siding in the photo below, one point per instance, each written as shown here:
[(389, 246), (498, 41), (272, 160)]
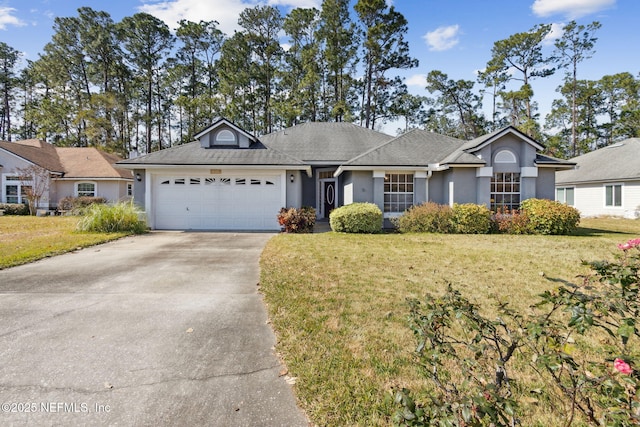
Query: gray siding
[(545, 184), (436, 188), (294, 189)]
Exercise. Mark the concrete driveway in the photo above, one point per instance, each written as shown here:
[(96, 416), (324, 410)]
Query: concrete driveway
[(161, 329)]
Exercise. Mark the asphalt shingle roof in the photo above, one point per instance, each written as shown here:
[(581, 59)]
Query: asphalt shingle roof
[(414, 148), (37, 152), (72, 162), (619, 161), (334, 142), (193, 154)]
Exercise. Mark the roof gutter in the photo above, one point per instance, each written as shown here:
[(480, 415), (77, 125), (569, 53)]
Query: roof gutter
[(430, 168), (134, 166)]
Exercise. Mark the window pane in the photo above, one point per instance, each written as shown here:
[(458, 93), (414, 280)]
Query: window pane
[(617, 195), (570, 197), (608, 195)]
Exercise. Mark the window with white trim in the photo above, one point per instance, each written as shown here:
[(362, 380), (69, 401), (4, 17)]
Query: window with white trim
[(613, 195), (565, 195), (16, 189), (86, 189), (398, 192), (505, 156), (225, 137), (505, 191)]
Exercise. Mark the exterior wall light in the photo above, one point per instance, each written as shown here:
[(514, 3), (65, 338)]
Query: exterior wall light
[(291, 177), (138, 177)]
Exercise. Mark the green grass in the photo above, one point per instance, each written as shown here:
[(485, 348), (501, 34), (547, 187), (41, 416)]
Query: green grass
[(338, 303), (25, 239)]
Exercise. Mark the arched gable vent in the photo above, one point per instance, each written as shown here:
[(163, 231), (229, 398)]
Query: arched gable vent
[(505, 156)]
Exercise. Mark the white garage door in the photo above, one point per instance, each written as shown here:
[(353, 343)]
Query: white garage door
[(221, 202)]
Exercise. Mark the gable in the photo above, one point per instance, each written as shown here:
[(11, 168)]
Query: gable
[(223, 133)]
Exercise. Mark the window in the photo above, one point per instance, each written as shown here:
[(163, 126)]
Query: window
[(129, 189), (225, 137), (505, 156), (255, 181), (179, 181), (565, 195), (505, 191), (194, 181), (613, 195), (87, 189), (16, 189), (398, 192), (241, 181)]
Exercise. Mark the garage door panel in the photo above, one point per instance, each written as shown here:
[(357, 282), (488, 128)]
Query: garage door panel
[(234, 202)]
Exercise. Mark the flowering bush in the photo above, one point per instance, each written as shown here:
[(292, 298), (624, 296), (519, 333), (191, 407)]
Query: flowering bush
[(469, 356), (294, 220)]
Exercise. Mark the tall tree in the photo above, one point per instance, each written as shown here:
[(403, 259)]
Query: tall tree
[(147, 40), (301, 74), (522, 52), (8, 81), (338, 35), (384, 49), (575, 45), (495, 79), (456, 98), (194, 66), (621, 98), (261, 26), (237, 82)]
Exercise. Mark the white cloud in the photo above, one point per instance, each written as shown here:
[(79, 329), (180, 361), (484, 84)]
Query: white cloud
[(442, 38), (572, 9), (555, 33), (226, 12), (419, 80), (7, 18)]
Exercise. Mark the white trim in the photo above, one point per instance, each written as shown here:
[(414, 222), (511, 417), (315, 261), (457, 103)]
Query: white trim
[(219, 123), (88, 178), (132, 166), (505, 156), (320, 190), (421, 174), (379, 173), (504, 132), (528, 172), (451, 193), (604, 194), (76, 184)]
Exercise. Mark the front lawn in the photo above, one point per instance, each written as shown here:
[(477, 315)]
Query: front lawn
[(25, 239), (338, 304)]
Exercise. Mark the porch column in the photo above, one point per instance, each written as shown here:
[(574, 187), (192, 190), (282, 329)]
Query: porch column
[(378, 189)]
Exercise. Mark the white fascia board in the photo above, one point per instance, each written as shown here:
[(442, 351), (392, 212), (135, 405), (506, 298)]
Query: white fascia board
[(226, 122), (213, 166), (89, 178)]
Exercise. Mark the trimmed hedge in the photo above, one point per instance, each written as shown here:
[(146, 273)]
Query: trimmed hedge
[(549, 217), (470, 218), (295, 220), (14, 209), (356, 218), (428, 217)]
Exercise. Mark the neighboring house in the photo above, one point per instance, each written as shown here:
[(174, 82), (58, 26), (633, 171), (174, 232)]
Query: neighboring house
[(71, 171), (229, 179), (604, 182)]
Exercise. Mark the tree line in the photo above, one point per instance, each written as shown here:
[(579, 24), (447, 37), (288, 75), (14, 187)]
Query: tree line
[(136, 85)]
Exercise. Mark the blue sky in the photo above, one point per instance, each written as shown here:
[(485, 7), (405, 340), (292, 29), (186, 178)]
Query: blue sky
[(453, 36)]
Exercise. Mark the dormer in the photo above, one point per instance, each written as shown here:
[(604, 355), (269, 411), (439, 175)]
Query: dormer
[(224, 134)]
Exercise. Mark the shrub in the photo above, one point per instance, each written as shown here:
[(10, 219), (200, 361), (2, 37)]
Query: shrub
[(295, 220), (119, 217), (550, 217), (428, 217), (356, 218), (470, 218), (511, 222), (14, 208), (78, 205), (470, 357)]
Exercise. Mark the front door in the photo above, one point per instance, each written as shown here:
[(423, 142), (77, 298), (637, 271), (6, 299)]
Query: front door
[(328, 197)]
